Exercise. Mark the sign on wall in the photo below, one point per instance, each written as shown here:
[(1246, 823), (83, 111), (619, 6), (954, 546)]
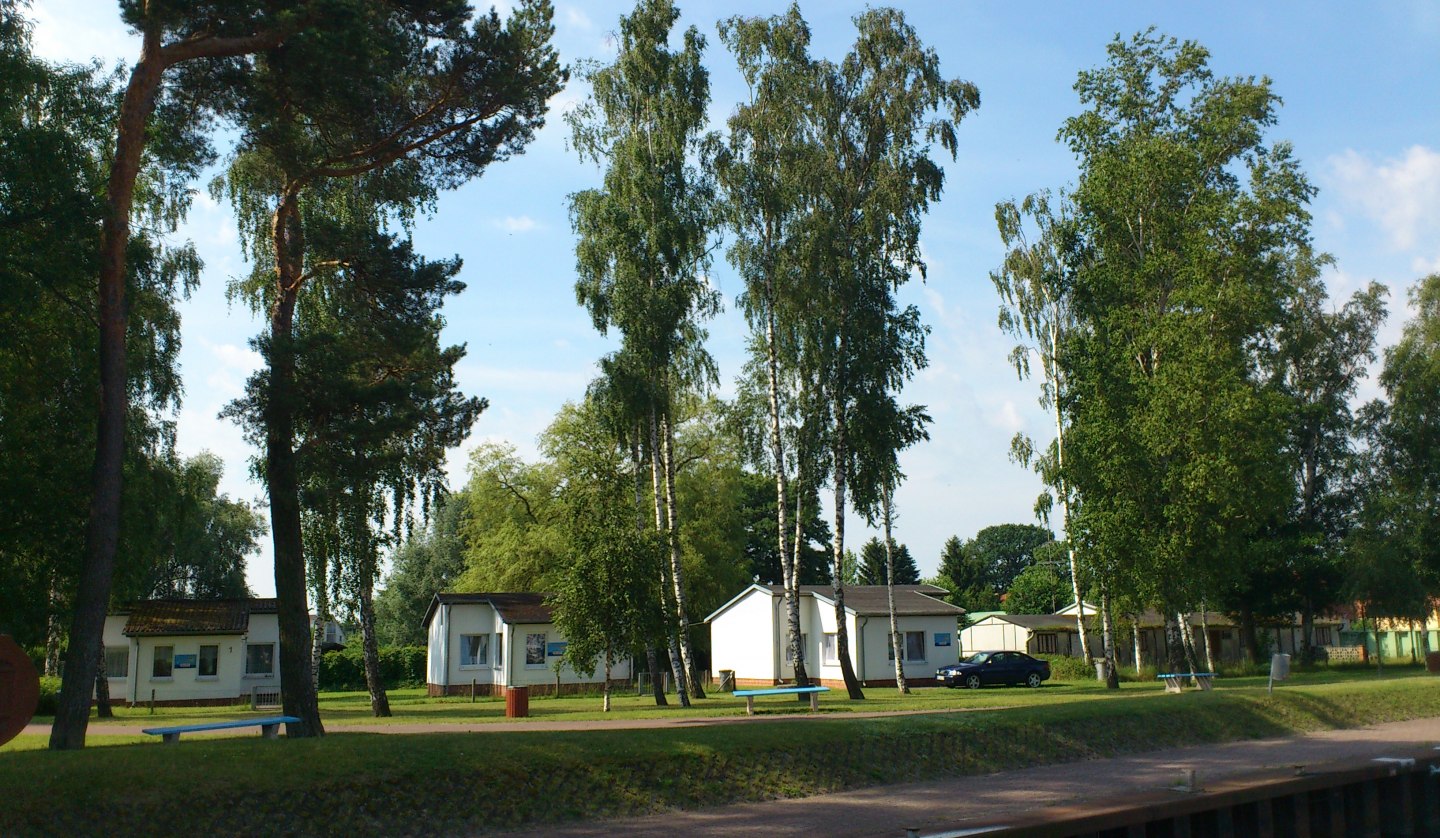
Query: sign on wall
[(185, 661), (556, 650), (942, 638)]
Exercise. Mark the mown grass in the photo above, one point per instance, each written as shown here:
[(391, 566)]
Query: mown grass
[(455, 782)]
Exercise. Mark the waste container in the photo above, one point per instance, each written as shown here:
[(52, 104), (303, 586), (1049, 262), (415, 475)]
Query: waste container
[(727, 680), (1101, 673), (517, 702), (1432, 663)]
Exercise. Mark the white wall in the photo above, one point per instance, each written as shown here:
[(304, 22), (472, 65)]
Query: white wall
[(521, 673), (471, 618), (992, 634), (878, 666), (745, 637), (509, 667)]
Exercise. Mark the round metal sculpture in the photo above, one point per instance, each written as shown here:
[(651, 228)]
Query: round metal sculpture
[(19, 689)]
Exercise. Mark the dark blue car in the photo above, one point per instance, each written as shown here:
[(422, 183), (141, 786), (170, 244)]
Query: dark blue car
[(983, 668)]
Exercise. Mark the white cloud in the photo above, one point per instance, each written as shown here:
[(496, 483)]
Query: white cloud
[(75, 31), (1402, 194), (517, 224), (1424, 266)]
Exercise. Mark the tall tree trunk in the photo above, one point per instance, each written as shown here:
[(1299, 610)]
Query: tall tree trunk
[(842, 634), (890, 599), (652, 661), (677, 569), (1249, 641), (1174, 644), (1135, 638), (677, 664), (379, 701), (322, 617), (1307, 633), (52, 628), (1064, 492), (102, 529), (789, 569), (606, 688), (102, 686), (1107, 628), (297, 683), (1205, 636), (1187, 639)]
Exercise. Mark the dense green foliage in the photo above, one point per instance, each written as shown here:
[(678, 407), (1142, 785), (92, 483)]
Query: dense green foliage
[(872, 564), (400, 667)]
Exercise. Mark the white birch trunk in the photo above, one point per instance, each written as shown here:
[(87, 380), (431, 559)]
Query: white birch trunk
[(677, 569), (890, 598), (677, 664), (1135, 638), (1205, 635), (1107, 639)]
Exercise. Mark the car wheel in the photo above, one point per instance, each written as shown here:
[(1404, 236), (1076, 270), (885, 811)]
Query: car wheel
[(972, 682), (1032, 680)]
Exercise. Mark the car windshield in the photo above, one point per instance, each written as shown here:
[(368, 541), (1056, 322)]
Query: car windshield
[(978, 657)]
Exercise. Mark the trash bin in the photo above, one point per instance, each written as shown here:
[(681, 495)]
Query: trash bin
[(727, 680), (1432, 663), (1101, 673), (1279, 667), (517, 702)]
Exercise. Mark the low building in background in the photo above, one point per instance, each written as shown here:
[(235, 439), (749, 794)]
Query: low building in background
[(194, 652), (489, 641), (749, 634)]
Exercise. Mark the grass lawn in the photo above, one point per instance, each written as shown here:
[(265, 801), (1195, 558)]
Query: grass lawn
[(412, 706), (432, 783)]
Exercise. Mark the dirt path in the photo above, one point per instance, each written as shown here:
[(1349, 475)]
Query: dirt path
[(959, 803), (134, 728)]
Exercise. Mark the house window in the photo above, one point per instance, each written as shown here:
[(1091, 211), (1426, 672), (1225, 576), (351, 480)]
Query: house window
[(209, 661), (534, 650), (164, 662), (259, 658), (1322, 636), (474, 649), (913, 643), (790, 652), (117, 661), (829, 648), (1047, 644)]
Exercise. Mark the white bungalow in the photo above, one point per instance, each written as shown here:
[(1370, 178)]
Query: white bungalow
[(749, 633), (193, 652), (487, 642)]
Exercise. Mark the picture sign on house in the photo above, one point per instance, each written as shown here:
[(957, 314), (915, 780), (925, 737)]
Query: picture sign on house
[(942, 638), (185, 661), (556, 650)]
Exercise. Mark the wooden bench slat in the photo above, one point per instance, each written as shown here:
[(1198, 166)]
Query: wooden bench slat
[(173, 733), (783, 691)]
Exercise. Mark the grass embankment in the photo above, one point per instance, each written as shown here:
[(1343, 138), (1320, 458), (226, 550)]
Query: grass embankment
[(447, 783)]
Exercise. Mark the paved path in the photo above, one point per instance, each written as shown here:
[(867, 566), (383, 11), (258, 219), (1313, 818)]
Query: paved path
[(967, 801)]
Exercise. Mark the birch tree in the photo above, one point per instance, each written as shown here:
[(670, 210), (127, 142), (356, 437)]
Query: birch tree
[(644, 243), (763, 172), (877, 112), (1035, 282)]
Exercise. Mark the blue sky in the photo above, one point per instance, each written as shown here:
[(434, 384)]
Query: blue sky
[(1361, 107)]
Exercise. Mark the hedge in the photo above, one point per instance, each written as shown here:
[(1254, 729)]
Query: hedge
[(400, 666)]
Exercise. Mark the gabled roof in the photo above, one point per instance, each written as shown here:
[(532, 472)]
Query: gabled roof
[(159, 617), (865, 600), (513, 608)]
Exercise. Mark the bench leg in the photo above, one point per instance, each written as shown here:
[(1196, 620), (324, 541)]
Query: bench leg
[(1204, 683), (170, 738), (749, 705), (814, 702), (1172, 685), (269, 731)]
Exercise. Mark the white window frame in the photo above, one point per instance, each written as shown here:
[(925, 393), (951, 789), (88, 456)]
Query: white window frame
[(499, 650), (905, 647), (530, 664), (248, 673), (200, 663), (481, 659), (830, 648), (169, 658), (125, 670)]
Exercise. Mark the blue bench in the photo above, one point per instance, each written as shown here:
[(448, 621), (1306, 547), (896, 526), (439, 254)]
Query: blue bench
[(269, 727), (813, 692), (1175, 681)]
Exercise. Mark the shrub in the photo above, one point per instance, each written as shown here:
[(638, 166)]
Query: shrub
[(400, 666), (49, 696), (1066, 668)]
